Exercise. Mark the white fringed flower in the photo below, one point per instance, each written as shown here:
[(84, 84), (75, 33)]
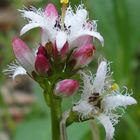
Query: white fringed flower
[(76, 26), (101, 99)]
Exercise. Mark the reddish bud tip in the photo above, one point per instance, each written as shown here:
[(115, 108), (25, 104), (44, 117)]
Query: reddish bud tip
[(41, 50)]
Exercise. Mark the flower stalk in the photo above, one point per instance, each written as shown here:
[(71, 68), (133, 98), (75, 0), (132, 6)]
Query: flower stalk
[(55, 107), (55, 110)]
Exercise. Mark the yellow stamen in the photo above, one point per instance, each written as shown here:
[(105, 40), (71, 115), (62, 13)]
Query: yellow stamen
[(114, 87), (64, 8), (64, 1)]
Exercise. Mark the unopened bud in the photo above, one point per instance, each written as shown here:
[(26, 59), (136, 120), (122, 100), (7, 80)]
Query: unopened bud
[(66, 87), (23, 54), (41, 64), (84, 55)]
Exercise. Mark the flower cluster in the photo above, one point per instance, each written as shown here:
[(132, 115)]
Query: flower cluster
[(66, 47)]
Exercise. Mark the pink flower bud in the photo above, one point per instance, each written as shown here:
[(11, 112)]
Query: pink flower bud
[(64, 51), (66, 87), (84, 55), (41, 64), (23, 54), (51, 10)]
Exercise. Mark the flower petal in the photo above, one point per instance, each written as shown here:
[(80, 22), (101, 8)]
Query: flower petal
[(83, 107), (83, 41), (99, 80), (87, 85), (61, 39), (44, 37), (23, 54), (89, 33), (75, 20), (35, 17), (111, 102), (19, 71), (14, 70), (51, 10), (105, 121), (28, 27)]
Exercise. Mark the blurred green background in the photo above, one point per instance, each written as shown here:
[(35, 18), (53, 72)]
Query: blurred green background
[(24, 119)]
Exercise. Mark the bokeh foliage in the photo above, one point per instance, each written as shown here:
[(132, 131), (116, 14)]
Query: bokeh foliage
[(118, 22)]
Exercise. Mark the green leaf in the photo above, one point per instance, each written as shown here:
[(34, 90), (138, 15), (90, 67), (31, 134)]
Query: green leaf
[(77, 130), (34, 130)]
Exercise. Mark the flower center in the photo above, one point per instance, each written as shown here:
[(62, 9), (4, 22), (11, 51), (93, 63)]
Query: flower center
[(95, 100), (89, 53)]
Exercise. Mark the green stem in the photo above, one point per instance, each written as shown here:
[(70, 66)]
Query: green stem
[(55, 108)]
